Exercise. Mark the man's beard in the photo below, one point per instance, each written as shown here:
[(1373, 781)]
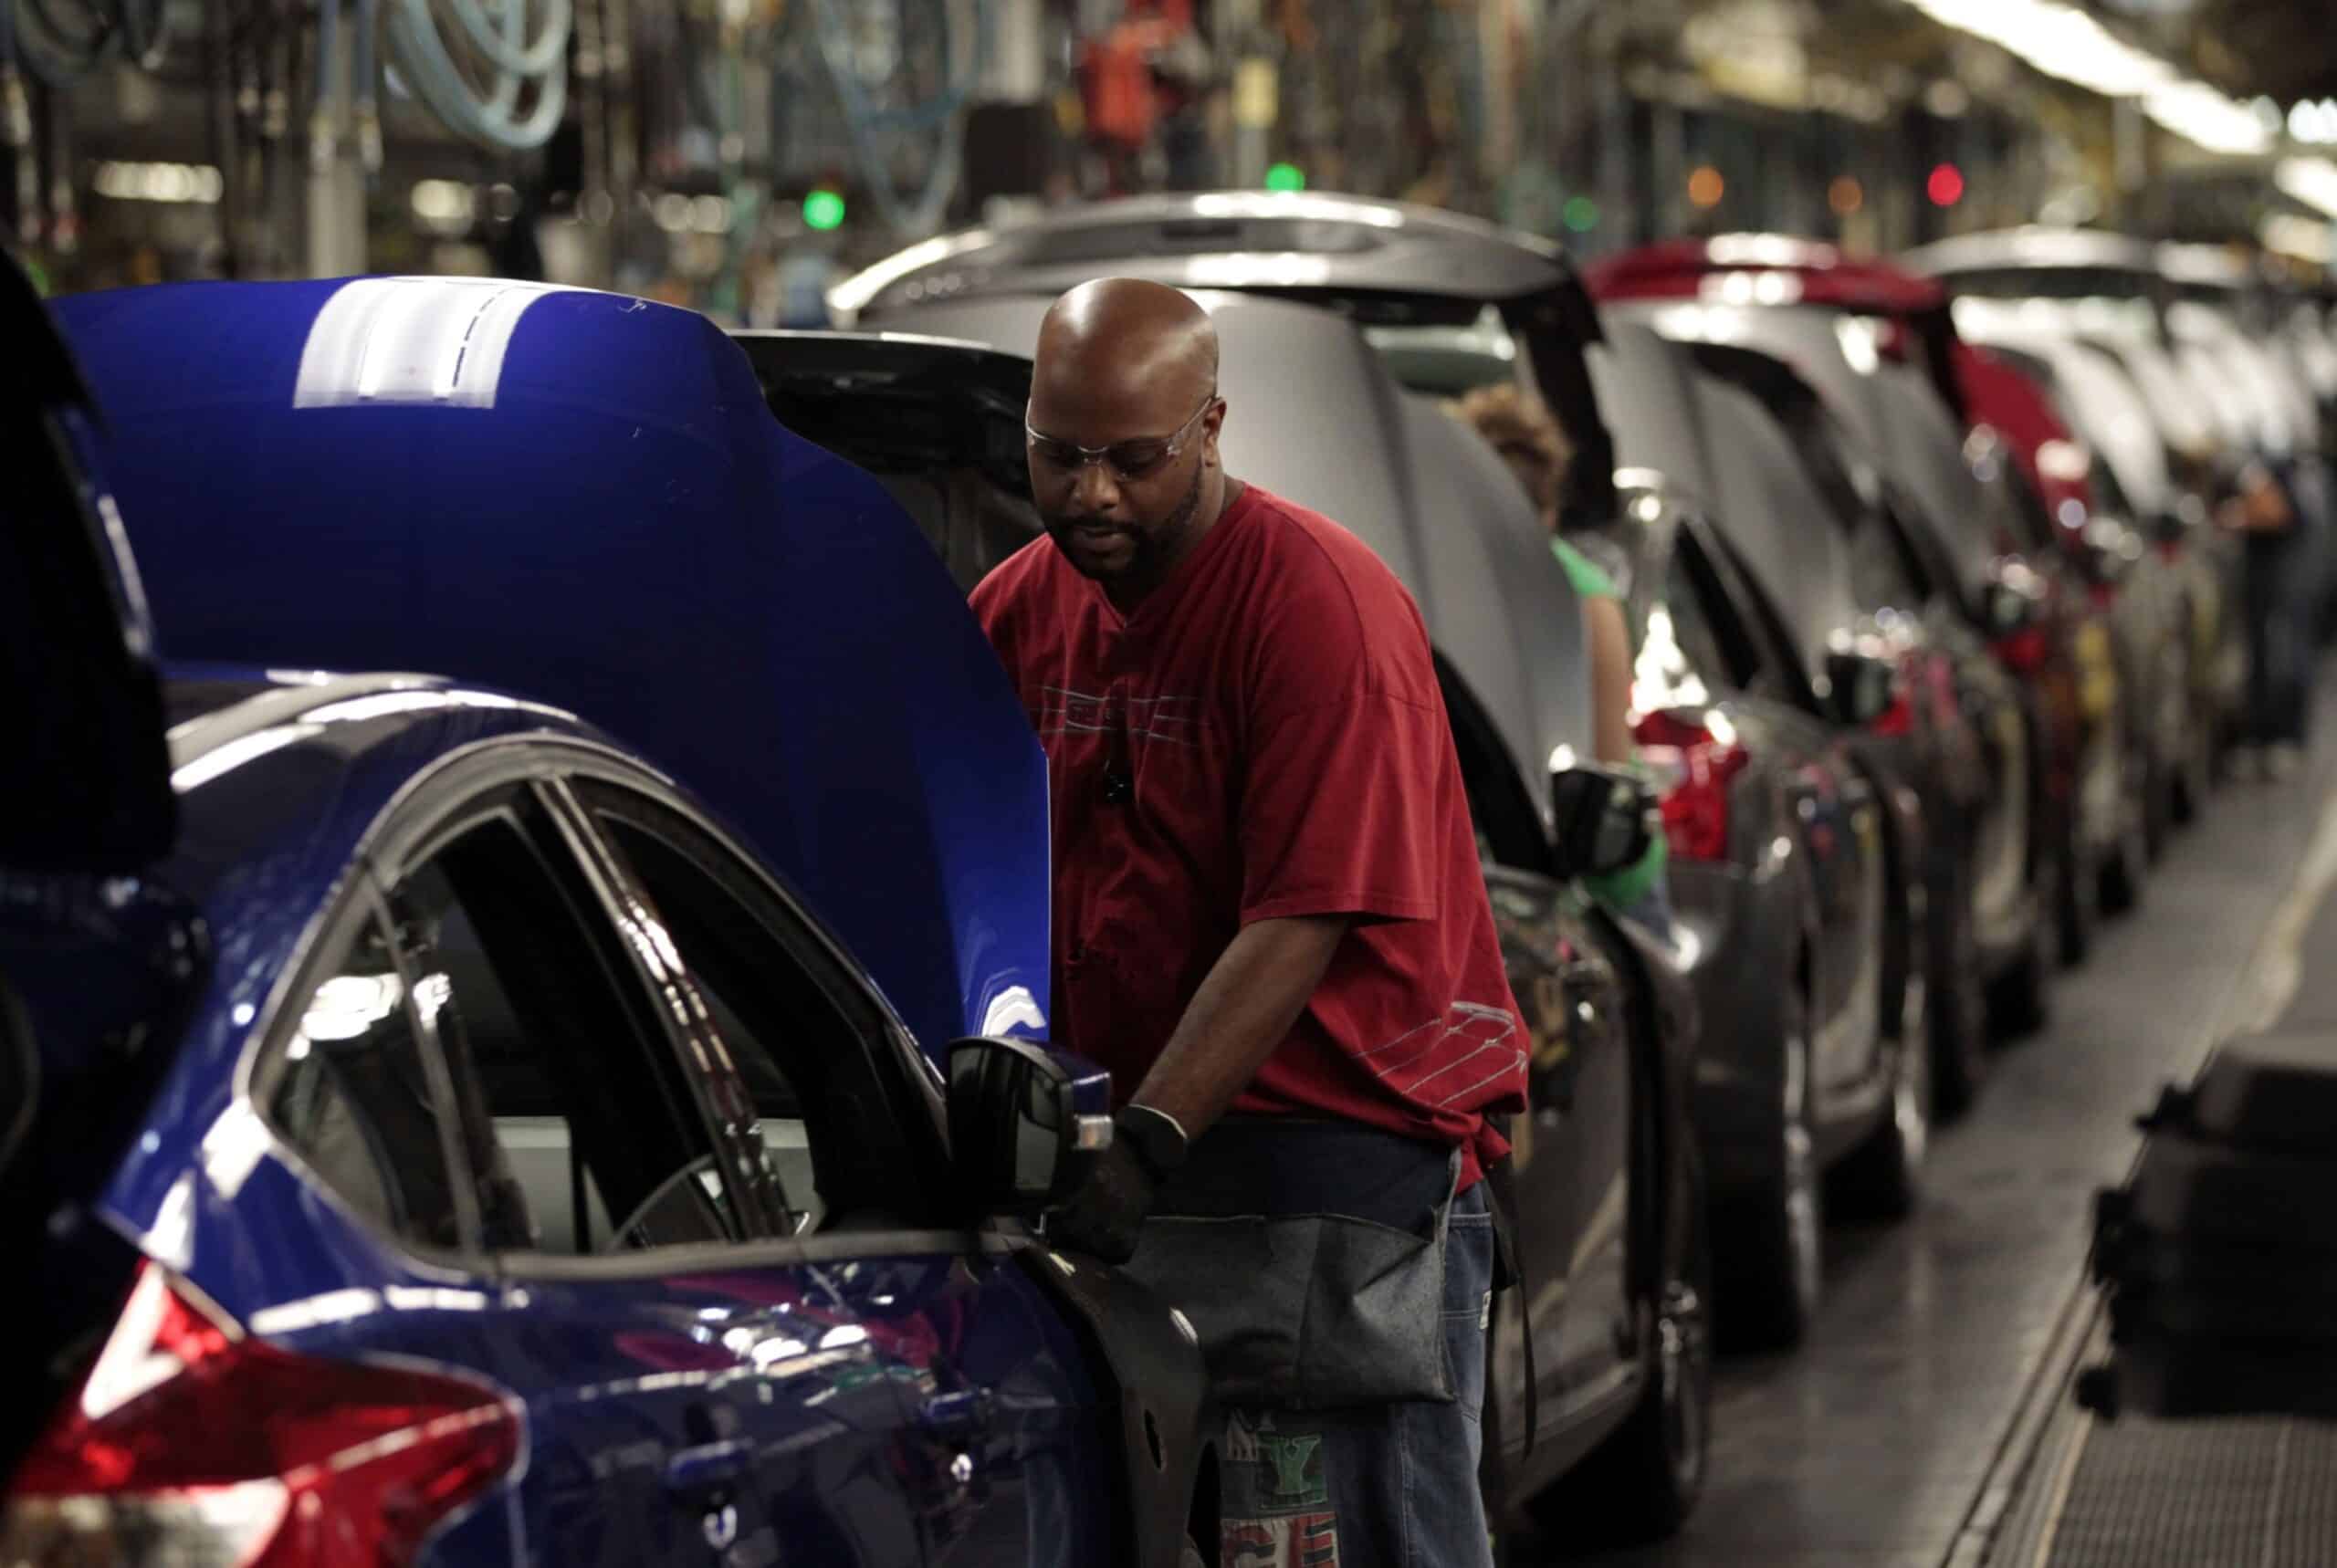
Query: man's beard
[(1151, 550)]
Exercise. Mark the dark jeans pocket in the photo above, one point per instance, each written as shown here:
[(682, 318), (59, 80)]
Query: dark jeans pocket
[(1305, 1312), (1468, 1303)]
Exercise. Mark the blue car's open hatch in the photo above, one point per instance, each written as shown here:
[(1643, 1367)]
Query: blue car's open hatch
[(582, 497)]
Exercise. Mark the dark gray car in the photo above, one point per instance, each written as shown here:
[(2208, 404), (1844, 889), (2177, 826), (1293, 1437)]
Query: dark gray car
[(1968, 747), (1793, 861)]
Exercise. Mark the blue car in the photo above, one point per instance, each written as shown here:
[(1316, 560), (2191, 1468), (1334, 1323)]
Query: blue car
[(432, 1134)]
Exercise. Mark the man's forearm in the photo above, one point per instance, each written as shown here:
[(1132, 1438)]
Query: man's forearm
[(1244, 1009)]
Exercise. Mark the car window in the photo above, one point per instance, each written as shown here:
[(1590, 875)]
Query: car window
[(2032, 519), (353, 1093), (578, 1132), (1770, 664), (1682, 661), (2109, 496), (1884, 576), (1508, 825), (846, 1139)]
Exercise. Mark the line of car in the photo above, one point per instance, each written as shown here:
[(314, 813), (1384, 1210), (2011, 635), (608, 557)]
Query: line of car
[(1936, 643), (560, 1114)]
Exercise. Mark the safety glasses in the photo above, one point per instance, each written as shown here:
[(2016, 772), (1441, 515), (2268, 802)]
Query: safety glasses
[(1131, 459)]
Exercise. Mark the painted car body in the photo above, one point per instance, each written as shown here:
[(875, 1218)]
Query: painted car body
[(298, 1099), (2060, 655), (1963, 740), (1799, 915), (1820, 881), (589, 502)]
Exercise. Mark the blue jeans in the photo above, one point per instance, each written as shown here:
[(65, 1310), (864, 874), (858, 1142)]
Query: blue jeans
[(1388, 1486)]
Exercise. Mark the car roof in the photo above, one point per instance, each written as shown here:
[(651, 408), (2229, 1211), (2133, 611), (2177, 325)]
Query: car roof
[(2211, 265), (2033, 246), (1221, 239), (264, 760), (1494, 600), (583, 497)]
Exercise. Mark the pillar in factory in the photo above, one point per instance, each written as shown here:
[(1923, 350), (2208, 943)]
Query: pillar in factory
[(335, 197), (1010, 126)]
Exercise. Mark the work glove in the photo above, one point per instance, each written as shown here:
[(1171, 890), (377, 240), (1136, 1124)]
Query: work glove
[(1105, 1214)]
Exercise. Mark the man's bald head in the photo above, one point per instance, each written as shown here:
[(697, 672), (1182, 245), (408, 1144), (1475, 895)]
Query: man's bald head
[(1123, 345), (1126, 373)]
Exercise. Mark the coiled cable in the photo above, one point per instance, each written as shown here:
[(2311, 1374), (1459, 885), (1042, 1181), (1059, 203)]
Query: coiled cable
[(515, 63)]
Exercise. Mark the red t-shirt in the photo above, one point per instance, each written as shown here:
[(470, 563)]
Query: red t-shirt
[(1272, 711)]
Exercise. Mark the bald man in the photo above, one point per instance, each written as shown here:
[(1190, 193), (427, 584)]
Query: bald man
[(1270, 926)]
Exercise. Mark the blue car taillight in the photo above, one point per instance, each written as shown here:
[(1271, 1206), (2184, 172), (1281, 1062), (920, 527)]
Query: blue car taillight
[(190, 1441)]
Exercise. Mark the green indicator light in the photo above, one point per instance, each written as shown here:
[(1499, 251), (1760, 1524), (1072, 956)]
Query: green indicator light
[(823, 210), (1581, 214), (1285, 177)]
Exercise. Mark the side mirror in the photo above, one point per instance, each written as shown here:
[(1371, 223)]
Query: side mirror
[(1016, 1129), (1604, 821), (1860, 688)]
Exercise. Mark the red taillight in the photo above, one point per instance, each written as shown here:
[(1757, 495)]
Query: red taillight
[(2025, 651), (190, 1442), (1897, 719), (1696, 766)]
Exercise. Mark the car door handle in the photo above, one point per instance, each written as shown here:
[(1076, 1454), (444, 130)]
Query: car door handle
[(952, 1416), (695, 1474)]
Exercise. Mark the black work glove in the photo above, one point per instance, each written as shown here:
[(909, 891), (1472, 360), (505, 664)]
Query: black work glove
[(1106, 1213)]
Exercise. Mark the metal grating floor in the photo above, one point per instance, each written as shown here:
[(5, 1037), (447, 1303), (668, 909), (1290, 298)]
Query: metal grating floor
[(2255, 1493)]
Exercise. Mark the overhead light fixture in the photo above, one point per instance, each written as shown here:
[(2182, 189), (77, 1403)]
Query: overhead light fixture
[(196, 183), (2315, 124), (2201, 115), (2303, 239), (2312, 181), (2068, 45)]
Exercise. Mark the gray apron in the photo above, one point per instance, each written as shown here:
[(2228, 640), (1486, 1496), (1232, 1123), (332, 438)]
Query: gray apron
[(1309, 1256)]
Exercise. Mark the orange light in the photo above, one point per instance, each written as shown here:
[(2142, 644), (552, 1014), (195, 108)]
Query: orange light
[(1845, 195), (1705, 187), (1945, 186)]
